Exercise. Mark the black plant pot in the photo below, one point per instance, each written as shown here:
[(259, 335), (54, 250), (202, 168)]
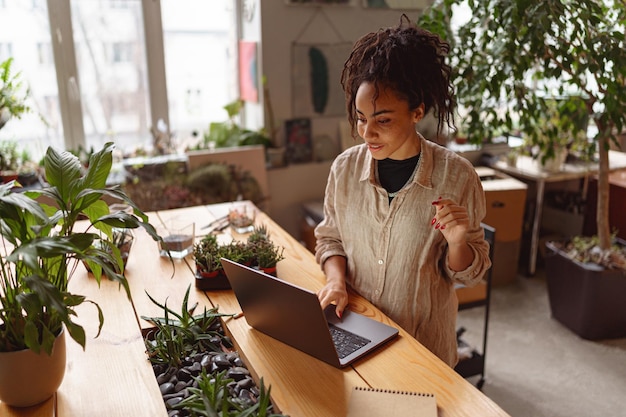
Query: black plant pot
[(587, 299)]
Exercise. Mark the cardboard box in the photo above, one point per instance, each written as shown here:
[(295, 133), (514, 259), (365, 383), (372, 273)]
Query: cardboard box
[(505, 262), (506, 200), (467, 295), (505, 197)]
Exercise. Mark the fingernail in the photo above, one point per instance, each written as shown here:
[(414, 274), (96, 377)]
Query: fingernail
[(443, 226), (437, 226), (340, 314), (434, 202), (434, 220)]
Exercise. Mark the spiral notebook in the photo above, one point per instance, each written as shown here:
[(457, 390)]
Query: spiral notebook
[(372, 402)]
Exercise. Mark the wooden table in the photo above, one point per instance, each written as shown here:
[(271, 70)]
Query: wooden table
[(112, 377), (528, 169)]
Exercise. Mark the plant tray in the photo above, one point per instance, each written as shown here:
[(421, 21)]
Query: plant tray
[(586, 299), (219, 282)]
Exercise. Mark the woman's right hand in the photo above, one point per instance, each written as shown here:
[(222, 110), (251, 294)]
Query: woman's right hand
[(335, 289)]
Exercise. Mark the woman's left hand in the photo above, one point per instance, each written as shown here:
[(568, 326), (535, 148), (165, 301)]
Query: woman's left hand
[(452, 220)]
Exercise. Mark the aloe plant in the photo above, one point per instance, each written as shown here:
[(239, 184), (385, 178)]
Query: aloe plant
[(42, 247), (212, 399), (178, 335), (181, 335)]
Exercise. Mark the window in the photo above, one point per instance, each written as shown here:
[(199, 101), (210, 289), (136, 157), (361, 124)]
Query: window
[(200, 58), (104, 77)]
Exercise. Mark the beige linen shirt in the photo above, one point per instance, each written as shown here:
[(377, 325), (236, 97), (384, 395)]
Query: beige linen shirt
[(395, 257)]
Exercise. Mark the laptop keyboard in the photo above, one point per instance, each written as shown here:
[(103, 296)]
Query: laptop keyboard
[(345, 341)]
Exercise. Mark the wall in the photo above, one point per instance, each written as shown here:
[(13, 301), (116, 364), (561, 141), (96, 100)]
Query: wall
[(281, 24)]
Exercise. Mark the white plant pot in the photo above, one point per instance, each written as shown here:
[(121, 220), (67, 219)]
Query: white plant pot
[(555, 164), (28, 378)]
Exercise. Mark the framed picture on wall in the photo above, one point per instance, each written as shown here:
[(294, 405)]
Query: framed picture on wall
[(397, 4), (298, 140)]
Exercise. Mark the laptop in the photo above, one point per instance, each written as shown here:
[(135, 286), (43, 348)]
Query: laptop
[(294, 316)]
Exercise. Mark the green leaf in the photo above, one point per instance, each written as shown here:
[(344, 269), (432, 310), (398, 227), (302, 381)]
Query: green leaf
[(62, 171), (77, 333)]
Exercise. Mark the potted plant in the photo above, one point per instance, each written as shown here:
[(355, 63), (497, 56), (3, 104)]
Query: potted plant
[(265, 253), (561, 130), (229, 133), (198, 368), (122, 241), (12, 96), (9, 160), (207, 254), (509, 57), (43, 242), (586, 286)]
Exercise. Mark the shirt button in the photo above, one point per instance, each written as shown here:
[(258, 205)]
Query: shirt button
[(380, 262), (376, 292)]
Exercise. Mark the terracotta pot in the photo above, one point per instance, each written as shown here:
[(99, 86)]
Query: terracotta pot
[(214, 280), (212, 274), (28, 378), (269, 271), (8, 176)]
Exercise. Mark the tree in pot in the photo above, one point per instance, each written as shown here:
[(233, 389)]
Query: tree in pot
[(510, 56), (42, 246)]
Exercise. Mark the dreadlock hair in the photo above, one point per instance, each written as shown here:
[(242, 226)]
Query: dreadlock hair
[(407, 59)]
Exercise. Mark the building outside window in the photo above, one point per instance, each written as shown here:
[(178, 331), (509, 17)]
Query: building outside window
[(109, 97)]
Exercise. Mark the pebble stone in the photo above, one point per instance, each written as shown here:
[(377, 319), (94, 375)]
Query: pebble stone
[(174, 383)]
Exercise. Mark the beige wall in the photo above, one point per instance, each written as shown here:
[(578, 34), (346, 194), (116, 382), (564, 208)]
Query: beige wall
[(281, 24)]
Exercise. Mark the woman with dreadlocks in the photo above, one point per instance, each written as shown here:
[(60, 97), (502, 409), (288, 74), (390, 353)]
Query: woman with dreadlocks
[(402, 214)]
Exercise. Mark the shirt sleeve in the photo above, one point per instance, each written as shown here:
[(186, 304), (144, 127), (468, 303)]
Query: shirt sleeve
[(328, 239), (476, 206)]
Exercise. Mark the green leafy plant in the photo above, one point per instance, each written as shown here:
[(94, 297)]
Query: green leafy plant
[(257, 251), (212, 398), (43, 243), (178, 335), (265, 253), (259, 233), (9, 156), (13, 93), (510, 56), (206, 255), (230, 133)]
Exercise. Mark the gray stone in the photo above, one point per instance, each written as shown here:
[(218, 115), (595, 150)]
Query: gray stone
[(166, 388)]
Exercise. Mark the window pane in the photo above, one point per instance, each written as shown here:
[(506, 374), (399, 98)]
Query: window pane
[(25, 36), (111, 61), (200, 62)]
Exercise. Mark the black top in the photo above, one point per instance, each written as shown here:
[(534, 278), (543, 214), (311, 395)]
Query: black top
[(393, 174)]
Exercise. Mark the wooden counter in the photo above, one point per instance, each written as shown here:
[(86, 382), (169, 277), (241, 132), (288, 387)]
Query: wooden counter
[(112, 377)]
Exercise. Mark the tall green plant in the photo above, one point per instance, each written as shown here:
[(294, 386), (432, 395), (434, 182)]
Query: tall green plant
[(510, 55), (43, 244)]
